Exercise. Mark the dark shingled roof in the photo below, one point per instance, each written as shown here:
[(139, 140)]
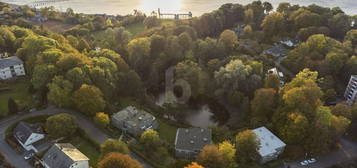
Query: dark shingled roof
[(24, 130), (63, 155), (193, 139), (10, 61)]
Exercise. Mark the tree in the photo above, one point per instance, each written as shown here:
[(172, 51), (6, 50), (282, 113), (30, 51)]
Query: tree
[(61, 125), (339, 25), (247, 145), (150, 139), (228, 152), (12, 106), (83, 45), (114, 145), (342, 109), (211, 157), (101, 119), (263, 105), (139, 51), (267, 7), (274, 24), (272, 81), (42, 75), (118, 160), (59, 91), (193, 165), (229, 39), (89, 99), (151, 21)]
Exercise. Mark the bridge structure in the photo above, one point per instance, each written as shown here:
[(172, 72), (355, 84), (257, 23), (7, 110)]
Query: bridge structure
[(174, 15), (40, 3)]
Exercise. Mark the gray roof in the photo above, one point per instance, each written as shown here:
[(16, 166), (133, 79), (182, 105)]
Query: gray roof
[(62, 155), (10, 61), (277, 50), (23, 131), (134, 117), (269, 143), (193, 139)]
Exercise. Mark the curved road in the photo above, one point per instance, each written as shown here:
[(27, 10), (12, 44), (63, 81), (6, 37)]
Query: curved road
[(18, 161)]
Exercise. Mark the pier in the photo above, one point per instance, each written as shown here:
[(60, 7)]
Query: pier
[(173, 15)]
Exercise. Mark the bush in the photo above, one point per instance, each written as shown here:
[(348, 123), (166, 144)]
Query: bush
[(61, 125)]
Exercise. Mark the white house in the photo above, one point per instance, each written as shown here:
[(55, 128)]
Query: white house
[(351, 90), (270, 145), (64, 155), (11, 67), (280, 75), (27, 134)]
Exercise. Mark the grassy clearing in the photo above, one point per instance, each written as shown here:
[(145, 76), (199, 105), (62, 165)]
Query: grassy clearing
[(18, 90), (87, 148), (167, 132), (136, 28)]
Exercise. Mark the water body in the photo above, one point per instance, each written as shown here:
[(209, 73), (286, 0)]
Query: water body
[(197, 7), (204, 115)]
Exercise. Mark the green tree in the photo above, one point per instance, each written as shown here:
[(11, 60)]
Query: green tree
[(101, 119), (272, 81), (263, 105), (118, 160), (59, 91), (89, 99), (150, 139), (42, 75), (139, 51), (247, 145), (61, 125), (274, 24), (229, 39), (114, 145), (151, 21)]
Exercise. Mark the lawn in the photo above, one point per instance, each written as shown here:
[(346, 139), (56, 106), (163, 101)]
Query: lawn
[(136, 28), (87, 148), (167, 132), (18, 90)]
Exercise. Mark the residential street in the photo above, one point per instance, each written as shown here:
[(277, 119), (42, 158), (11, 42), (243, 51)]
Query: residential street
[(19, 162), (346, 153)]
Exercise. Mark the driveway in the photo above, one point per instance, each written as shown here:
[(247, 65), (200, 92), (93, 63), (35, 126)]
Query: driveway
[(17, 160), (347, 152)]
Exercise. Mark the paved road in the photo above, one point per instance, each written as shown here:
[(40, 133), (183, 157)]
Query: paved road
[(347, 152), (18, 161)]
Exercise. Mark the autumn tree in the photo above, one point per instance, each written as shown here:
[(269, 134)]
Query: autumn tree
[(101, 119), (61, 125), (229, 39), (247, 145), (151, 21), (274, 24), (118, 160), (263, 105), (211, 157), (89, 99), (194, 165), (228, 152), (114, 145), (272, 81), (150, 139)]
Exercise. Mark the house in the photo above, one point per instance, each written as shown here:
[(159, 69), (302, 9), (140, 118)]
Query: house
[(270, 145), (64, 155), (275, 71), (190, 141), (28, 135), (351, 90), (134, 121), (11, 67), (278, 50), (289, 42)]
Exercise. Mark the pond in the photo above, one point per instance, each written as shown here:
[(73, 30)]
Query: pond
[(203, 114)]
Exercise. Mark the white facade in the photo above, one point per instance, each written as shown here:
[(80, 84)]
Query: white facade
[(11, 67), (270, 145), (275, 71), (76, 164), (351, 90)]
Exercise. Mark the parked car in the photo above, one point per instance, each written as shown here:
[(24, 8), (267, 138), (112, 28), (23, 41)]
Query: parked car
[(312, 160), (29, 155), (308, 161), (304, 163)]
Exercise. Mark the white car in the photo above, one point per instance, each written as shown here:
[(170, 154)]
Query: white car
[(304, 163), (312, 160)]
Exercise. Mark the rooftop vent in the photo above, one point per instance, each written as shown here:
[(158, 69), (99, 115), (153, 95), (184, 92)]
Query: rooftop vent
[(140, 118), (192, 142), (205, 139), (186, 130), (202, 130)]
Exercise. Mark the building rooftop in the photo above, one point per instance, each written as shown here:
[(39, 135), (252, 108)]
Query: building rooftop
[(192, 139), (135, 117), (10, 61), (277, 50), (23, 131), (268, 141), (63, 155)]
